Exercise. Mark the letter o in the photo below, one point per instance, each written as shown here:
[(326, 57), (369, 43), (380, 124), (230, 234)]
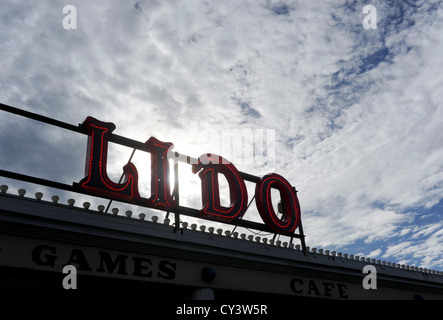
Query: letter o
[(291, 212)]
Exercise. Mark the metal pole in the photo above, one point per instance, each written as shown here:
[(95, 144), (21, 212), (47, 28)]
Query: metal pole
[(175, 194)]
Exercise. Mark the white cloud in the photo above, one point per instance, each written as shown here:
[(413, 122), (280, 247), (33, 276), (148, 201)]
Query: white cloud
[(424, 250), (375, 253)]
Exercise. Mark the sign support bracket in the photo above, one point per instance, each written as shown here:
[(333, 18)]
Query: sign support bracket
[(175, 195)]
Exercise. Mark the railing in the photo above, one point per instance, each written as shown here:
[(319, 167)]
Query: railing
[(137, 145)]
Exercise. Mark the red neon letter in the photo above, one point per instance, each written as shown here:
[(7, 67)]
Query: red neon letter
[(212, 165), (97, 180), (291, 207), (160, 187)]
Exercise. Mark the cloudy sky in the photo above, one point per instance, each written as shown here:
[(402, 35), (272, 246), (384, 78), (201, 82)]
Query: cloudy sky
[(350, 116)]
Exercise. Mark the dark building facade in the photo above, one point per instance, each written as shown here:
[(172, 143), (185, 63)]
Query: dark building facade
[(112, 254)]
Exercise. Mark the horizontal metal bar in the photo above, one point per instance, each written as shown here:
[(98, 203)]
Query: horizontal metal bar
[(41, 118), (133, 144), (40, 181), (127, 142), (195, 213), (249, 177)]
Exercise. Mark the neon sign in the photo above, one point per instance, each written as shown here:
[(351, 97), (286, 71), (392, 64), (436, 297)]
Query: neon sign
[(208, 167)]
